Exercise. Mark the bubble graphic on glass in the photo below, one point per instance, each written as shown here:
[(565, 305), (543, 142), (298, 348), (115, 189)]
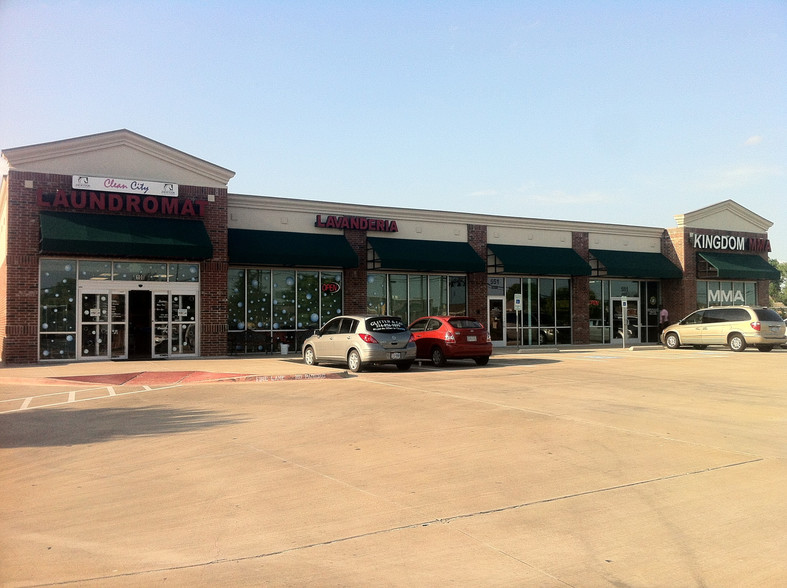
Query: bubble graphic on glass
[(314, 317), (289, 281), (69, 338), (45, 326), (241, 326), (45, 353), (308, 297), (68, 268), (255, 283), (275, 325)]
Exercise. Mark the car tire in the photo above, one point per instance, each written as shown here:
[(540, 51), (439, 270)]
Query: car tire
[(737, 342), (354, 361), (308, 356), (483, 360), (671, 340), (438, 357), (403, 366), (765, 348)]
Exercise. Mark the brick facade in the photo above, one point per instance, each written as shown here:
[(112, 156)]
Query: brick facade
[(19, 319)]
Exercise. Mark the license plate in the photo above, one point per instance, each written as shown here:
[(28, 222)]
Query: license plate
[(471, 338), (396, 355)]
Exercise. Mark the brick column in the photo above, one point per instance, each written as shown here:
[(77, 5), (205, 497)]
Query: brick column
[(580, 293), (355, 278), (477, 281), (213, 272)]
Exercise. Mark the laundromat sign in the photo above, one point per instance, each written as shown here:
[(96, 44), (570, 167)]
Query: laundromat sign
[(728, 242), (361, 223)]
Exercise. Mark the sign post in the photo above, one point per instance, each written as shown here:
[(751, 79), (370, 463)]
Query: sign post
[(518, 309), (625, 313)]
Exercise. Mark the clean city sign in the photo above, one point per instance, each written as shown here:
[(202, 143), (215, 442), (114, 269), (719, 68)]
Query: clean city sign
[(141, 187)]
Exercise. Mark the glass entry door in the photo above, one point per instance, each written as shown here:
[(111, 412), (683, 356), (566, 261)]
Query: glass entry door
[(631, 312), (496, 319), (103, 331)]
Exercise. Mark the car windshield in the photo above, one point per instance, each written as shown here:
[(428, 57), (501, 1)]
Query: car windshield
[(385, 324), (464, 323)]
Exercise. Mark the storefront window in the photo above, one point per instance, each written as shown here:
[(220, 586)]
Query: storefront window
[(411, 296), (457, 295), (95, 270), (331, 298), (308, 300), (141, 272), (268, 308), (258, 299), (438, 296), (397, 289), (184, 272), (377, 294), (283, 300), (545, 317), (236, 300), (718, 293), (57, 311), (418, 297)]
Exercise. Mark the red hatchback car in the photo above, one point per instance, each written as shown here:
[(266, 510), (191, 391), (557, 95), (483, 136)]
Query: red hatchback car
[(451, 337)]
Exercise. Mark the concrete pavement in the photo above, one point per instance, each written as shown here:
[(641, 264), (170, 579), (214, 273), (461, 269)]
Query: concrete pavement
[(578, 468)]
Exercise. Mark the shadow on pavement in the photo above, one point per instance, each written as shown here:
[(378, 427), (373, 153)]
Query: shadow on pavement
[(51, 427)]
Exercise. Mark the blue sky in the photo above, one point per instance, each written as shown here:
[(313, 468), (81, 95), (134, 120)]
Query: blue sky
[(621, 112)]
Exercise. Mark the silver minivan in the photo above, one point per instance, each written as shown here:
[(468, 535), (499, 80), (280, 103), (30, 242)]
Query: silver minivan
[(361, 340), (735, 326)]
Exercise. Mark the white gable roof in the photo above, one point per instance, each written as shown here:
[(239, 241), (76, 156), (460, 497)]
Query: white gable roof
[(728, 215), (118, 154)]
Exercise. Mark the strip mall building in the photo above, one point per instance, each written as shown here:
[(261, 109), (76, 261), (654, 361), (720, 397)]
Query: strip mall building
[(116, 246)]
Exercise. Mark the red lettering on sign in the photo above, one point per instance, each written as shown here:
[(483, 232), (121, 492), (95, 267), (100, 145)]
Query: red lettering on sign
[(115, 203), (98, 201), (187, 209), (150, 205)]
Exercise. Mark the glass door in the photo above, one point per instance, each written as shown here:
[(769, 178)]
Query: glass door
[(628, 308), (161, 324), (102, 332), (496, 319)]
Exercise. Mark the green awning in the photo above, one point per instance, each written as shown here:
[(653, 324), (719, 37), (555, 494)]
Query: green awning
[(425, 256), (633, 264), (735, 266), (280, 248), (540, 261), (124, 236)]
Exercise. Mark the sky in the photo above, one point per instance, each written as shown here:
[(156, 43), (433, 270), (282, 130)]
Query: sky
[(625, 112)]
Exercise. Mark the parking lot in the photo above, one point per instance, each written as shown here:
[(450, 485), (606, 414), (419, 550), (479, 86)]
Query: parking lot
[(583, 467)]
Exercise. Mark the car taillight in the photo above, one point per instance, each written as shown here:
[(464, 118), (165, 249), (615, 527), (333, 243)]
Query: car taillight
[(449, 337), (756, 325), (412, 339), (367, 338)]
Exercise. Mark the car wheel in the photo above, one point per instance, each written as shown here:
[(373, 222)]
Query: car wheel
[(737, 342), (438, 357), (354, 361), (309, 357), (765, 348), (483, 360), (404, 365), (671, 340), (700, 347)]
